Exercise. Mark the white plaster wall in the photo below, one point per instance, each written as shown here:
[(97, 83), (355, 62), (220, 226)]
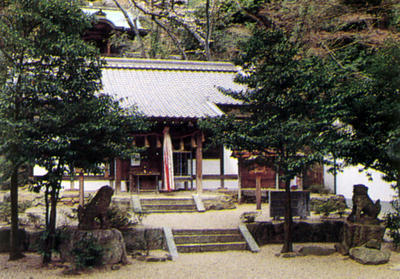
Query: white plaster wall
[(89, 186), (213, 184), (377, 188), (230, 164), (212, 166), (38, 171)]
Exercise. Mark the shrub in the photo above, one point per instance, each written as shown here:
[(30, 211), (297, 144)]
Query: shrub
[(328, 206), (87, 253), (319, 189), (118, 218), (5, 209), (393, 223), (122, 218)]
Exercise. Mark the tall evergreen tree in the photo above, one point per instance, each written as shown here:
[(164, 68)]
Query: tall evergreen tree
[(287, 112)]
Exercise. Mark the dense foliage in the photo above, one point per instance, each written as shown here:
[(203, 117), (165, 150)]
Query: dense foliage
[(51, 113), (287, 109)]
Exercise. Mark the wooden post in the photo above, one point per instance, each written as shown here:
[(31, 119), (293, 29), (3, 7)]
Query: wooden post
[(118, 175), (258, 191), (222, 167), (199, 163), (277, 179), (131, 186), (81, 188), (239, 181), (72, 181)]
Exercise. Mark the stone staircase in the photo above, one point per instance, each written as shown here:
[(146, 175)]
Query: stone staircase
[(208, 240), (167, 205)]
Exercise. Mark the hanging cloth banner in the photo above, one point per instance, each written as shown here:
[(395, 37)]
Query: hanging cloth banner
[(168, 164)]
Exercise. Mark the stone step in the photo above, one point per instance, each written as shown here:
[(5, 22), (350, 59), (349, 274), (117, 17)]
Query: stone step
[(210, 247), (205, 232), (166, 201), (217, 238), (148, 211), (169, 207)]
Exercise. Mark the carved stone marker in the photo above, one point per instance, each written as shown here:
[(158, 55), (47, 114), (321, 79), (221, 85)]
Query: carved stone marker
[(96, 208), (363, 224), (300, 203)]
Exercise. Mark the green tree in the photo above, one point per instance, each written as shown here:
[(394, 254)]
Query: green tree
[(369, 105), (51, 113), (287, 110)]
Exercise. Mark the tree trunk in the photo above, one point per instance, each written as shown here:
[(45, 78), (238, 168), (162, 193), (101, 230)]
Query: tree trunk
[(132, 24), (208, 32), (15, 248), (287, 240), (51, 228)]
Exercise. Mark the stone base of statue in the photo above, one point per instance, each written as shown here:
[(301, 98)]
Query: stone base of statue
[(111, 242), (358, 234)]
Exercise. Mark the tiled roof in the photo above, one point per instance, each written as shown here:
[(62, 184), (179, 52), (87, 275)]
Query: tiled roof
[(170, 88)]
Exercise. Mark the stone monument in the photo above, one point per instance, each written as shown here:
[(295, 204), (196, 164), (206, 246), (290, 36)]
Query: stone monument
[(96, 208), (111, 240), (362, 227)]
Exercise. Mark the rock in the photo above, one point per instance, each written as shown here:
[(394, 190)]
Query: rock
[(5, 239), (155, 259), (143, 239), (373, 244), (316, 251), (219, 203), (369, 256), (136, 254), (289, 255), (111, 240), (357, 234), (168, 257), (303, 231), (7, 197), (115, 267), (249, 217)]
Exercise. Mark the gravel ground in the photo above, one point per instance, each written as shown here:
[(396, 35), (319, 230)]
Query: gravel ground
[(237, 264), (232, 264)]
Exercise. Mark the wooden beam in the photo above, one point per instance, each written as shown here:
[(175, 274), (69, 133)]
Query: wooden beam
[(199, 163)]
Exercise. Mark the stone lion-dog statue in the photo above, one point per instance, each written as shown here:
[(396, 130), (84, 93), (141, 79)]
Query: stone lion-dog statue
[(364, 209), (96, 208)]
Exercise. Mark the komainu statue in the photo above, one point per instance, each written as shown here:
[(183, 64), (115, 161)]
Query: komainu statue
[(96, 208), (364, 210)]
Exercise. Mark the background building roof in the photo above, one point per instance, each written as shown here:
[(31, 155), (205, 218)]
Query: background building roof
[(170, 88), (112, 15)]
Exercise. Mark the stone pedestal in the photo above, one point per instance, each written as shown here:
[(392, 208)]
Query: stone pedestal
[(357, 234), (111, 240)]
